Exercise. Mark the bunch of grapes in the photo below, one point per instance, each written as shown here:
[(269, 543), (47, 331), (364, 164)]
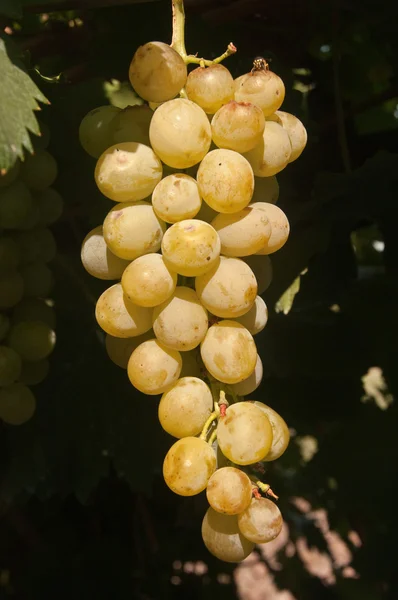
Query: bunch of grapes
[(188, 241), (28, 206)]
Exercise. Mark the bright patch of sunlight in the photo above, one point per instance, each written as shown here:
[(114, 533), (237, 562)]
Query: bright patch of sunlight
[(376, 389), (308, 446)]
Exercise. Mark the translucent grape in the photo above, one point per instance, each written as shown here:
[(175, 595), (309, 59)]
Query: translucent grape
[(261, 522), (262, 269), (147, 281), (180, 133), (229, 491), (244, 434), (262, 88), (128, 172), (96, 130), (17, 404), (229, 352), (191, 364), (210, 87), (119, 350), (132, 229), (32, 340), (256, 318), (37, 245), (4, 326), (181, 322), (272, 154), (153, 368), (247, 386), (119, 317), (185, 408), (11, 289), (157, 72), (50, 205), (9, 255), (296, 131), (225, 180), (222, 537), (37, 279), (132, 125), (242, 233), (191, 247), (229, 289), (11, 175), (39, 170), (176, 197), (188, 465), (238, 126), (34, 309), (33, 373), (98, 260), (280, 432), (280, 227), (15, 205), (10, 366), (266, 189)]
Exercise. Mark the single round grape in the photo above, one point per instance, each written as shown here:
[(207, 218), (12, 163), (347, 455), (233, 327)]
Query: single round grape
[(33, 340), (296, 131), (36, 245), (247, 386), (50, 205), (17, 404), (128, 172), (262, 269), (33, 373), (273, 152), (38, 280), (180, 133), (191, 247), (147, 281), (153, 368), (210, 87), (10, 255), (244, 434), (34, 309), (157, 72), (181, 322), (280, 432), (176, 198), (39, 170), (10, 366), (11, 289), (132, 125), (4, 326), (242, 233), (98, 260), (222, 537), (119, 350), (191, 364), (188, 465), (280, 227), (96, 130), (266, 189), (229, 289), (256, 318), (11, 175), (238, 126), (185, 408), (229, 352), (229, 491), (132, 229), (261, 522), (119, 317), (262, 88), (15, 205), (225, 180)]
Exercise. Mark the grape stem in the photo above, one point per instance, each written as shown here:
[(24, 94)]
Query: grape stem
[(178, 39), (213, 437), (214, 415), (266, 489)]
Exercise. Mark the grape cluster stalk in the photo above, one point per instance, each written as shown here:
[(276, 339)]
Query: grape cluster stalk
[(28, 207), (187, 245)]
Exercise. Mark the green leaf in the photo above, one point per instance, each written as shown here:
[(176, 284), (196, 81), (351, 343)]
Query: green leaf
[(285, 302), (19, 97)]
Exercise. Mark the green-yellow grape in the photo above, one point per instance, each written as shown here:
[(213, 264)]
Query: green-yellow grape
[(34, 309), (280, 227), (147, 281), (119, 317), (50, 205), (37, 279), (247, 386), (242, 233), (256, 318), (229, 491), (296, 131), (98, 260), (96, 130), (15, 205), (280, 432), (10, 366), (4, 326), (272, 153), (222, 537), (10, 255), (39, 170), (132, 125), (17, 404), (119, 350), (188, 466), (262, 88), (32, 340), (33, 373), (210, 87), (11, 289), (153, 368), (262, 269), (261, 522), (238, 126), (11, 175), (266, 189), (176, 198)]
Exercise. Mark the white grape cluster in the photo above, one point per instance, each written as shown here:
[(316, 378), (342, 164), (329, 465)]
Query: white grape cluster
[(28, 206), (188, 242)]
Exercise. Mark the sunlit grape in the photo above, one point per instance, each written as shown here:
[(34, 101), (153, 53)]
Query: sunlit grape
[(261, 522), (229, 491), (242, 233), (98, 260), (238, 126), (280, 432), (188, 465), (176, 198), (119, 317), (222, 537), (119, 350), (247, 386), (273, 152), (210, 87), (147, 281), (280, 227), (153, 368), (256, 318), (262, 88)]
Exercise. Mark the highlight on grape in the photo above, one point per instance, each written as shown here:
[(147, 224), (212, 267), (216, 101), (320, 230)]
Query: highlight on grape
[(186, 251)]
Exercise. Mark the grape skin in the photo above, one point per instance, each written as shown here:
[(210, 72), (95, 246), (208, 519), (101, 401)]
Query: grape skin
[(32, 340), (98, 260), (176, 197), (261, 522), (34, 309), (273, 152), (95, 130), (242, 233), (11, 290), (36, 245), (280, 227), (119, 350), (147, 281), (222, 537), (249, 385), (15, 205), (188, 465), (50, 205), (256, 318), (39, 170), (7, 178), (185, 408), (229, 491), (10, 366), (262, 88), (210, 87), (17, 404), (119, 317), (280, 432), (153, 368), (238, 126), (296, 131)]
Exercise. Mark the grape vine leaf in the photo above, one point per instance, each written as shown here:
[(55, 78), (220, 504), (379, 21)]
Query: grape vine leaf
[(19, 97)]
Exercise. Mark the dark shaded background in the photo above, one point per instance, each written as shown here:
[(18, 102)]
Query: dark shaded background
[(84, 511)]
